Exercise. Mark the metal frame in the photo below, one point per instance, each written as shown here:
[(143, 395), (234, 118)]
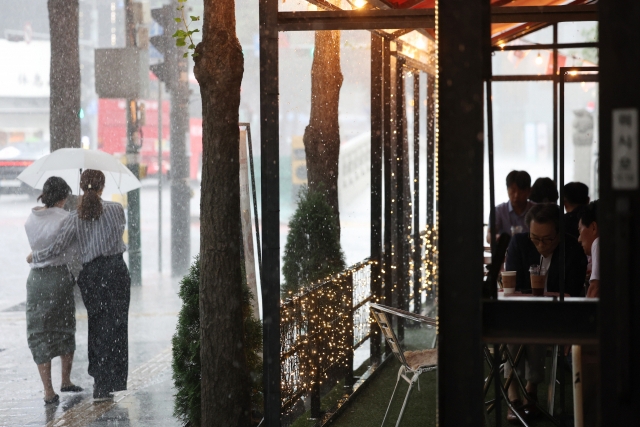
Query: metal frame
[(562, 79), (454, 16), (423, 18), (377, 137), (618, 214)]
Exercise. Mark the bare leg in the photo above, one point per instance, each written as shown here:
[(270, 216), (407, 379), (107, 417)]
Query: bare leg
[(512, 392), (532, 389), (67, 363), (44, 369)]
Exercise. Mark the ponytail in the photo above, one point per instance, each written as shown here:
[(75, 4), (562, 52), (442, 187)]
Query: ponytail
[(90, 207)]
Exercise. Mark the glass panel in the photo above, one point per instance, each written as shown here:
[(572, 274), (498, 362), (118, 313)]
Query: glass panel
[(577, 32), (296, 57), (585, 57), (523, 133), (580, 134), (543, 36), (522, 62)]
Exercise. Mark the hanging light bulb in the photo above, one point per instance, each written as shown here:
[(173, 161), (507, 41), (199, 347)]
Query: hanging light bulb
[(539, 59), (359, 3)]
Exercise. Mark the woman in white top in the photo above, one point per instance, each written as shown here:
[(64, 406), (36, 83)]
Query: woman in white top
[(51, 312), (97, 227)]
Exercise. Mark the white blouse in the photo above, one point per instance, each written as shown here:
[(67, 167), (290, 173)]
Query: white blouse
[(101, 237), (42, 227)]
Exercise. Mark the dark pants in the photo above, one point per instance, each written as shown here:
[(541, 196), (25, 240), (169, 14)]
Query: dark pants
[(106, 285)]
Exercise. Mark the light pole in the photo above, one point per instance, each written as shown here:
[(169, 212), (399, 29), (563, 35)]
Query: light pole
[(133, 163)]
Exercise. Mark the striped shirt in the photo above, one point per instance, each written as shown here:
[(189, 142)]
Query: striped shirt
[(102, 237)]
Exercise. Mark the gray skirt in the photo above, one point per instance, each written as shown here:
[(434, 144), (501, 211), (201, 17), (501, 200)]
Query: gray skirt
[(51, 313)]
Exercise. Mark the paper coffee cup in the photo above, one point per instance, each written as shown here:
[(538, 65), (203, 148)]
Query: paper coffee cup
[(509, 281)]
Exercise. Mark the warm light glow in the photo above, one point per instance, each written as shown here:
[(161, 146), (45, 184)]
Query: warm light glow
[(539, 59), (501, 45), (359, 3), (573, 73)]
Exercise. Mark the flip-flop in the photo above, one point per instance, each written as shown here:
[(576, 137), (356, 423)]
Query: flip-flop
[(54, 399), (71, 388)]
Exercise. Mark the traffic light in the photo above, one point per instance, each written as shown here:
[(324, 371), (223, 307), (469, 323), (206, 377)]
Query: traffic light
[(166, 71)]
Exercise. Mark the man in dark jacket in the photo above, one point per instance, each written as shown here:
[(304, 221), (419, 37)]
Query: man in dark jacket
[(541, 246), (576, 195)]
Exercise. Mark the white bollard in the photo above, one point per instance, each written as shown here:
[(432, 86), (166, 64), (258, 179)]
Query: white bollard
[(576, 357)]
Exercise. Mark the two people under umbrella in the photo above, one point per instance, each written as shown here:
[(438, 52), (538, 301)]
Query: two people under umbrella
[(94, 232)]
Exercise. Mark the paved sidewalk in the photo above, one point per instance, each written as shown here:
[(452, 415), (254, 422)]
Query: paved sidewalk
[(148, 401)]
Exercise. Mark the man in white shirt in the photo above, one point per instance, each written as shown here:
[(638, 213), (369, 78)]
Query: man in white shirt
[(590, 240)]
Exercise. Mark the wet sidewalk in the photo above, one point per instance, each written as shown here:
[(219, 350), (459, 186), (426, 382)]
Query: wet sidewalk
[(148, 401)]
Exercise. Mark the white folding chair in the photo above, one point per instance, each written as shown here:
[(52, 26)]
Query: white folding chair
[(412, 363)]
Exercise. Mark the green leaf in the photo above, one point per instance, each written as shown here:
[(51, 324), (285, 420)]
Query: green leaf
[(177, 20), (180, 33), (195, 18), (182, 1), (180, 42), (185, 54), (192, 46), (195, 31), (195, 54)]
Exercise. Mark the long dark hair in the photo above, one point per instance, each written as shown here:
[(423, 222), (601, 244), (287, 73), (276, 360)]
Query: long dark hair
[(91, 182), (55, 189)]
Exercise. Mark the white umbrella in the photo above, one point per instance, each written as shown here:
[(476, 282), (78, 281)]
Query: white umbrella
[(68, 164)]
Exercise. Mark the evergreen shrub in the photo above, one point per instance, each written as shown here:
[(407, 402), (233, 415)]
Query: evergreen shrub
[(313, 250), (186, 349)]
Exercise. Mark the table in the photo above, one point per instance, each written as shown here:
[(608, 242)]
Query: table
[(507, 357)]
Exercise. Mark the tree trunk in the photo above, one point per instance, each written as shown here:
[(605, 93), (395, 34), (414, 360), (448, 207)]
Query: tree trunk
[(322, 135), (64, 74), (219, 68)]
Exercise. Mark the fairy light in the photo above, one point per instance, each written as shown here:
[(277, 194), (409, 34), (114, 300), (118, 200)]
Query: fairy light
[(436, 143), (359, 3), (316, 324), (539, 59)]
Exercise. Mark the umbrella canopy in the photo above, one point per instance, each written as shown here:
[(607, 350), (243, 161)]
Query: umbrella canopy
[(68, 163)]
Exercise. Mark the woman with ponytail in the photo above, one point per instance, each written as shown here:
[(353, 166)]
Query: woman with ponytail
[(51, 310), (97, 226)]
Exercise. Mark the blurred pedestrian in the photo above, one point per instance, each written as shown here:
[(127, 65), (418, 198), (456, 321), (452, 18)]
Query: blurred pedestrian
[(544, 191), (576, 195), (105, 283), (510, 216), (51, 311)]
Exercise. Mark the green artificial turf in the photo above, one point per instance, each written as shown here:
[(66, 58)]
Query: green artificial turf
[(367, 409)]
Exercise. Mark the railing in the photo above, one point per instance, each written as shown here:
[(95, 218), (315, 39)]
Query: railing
[(322, 326), (320, 329)]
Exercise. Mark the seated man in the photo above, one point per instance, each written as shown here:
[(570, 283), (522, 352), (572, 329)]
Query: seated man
[(590, 240), (541, 246), (512, 213), (576, 195), (544, 191)]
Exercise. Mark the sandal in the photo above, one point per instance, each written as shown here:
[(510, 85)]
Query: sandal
[(71, 388), (511, 416), (54, 399), (530, 408)]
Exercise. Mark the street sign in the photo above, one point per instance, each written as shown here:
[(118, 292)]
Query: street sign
[(624, 166), (122, 72)]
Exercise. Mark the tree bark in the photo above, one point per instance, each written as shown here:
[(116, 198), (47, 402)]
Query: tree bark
[(219, 69), (322, 135), (64, 74)]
